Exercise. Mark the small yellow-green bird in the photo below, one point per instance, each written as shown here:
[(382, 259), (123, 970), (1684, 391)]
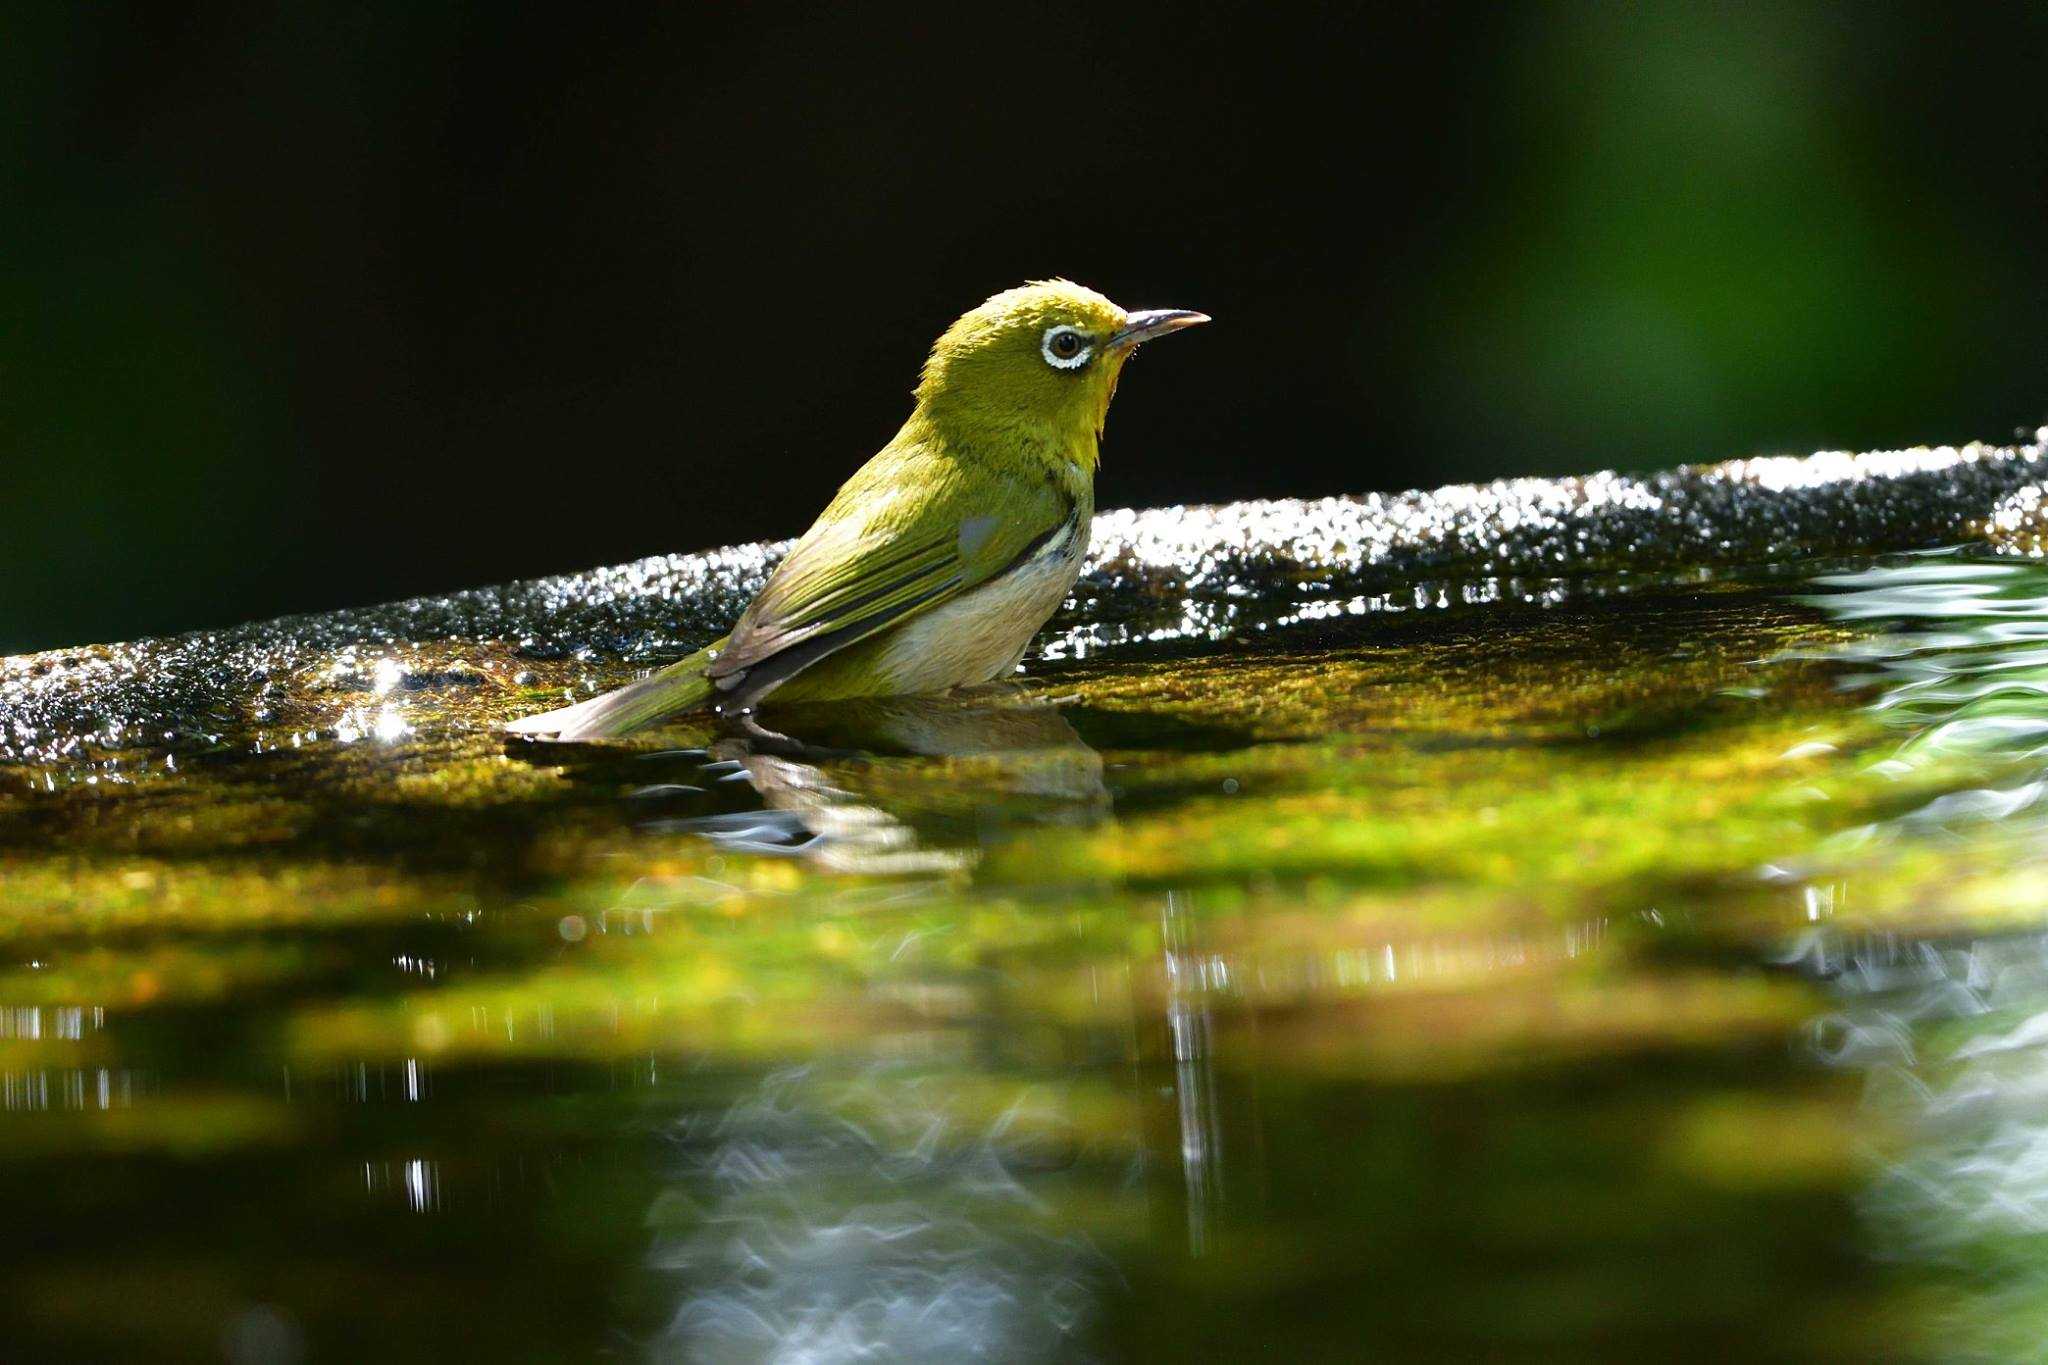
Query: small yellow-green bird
[(943, 555)]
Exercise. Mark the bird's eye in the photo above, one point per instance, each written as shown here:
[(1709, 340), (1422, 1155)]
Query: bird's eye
[(1066, 348)]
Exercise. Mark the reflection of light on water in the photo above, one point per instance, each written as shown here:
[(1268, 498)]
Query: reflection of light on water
[(1951, 1037), (857, 1219), (34, 1022), (1962, 674), (422, 1186), (387, 724), (39, 1089), (1952, 1043), (1190, 982), (417, 1182), (47, 1088), (411, 1081)]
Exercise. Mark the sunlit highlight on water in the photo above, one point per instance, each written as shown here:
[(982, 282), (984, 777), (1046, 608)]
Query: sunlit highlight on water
[(71, 1088), (417, 1182), (1951, 1037), (849, 1218)]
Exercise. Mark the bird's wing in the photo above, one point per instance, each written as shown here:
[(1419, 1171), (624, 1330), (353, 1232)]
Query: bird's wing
[(906, 533)]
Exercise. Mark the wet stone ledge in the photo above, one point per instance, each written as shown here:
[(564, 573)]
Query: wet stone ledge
[(1174, 572)]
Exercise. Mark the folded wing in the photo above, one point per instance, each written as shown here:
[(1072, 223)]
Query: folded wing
[(896, 542)]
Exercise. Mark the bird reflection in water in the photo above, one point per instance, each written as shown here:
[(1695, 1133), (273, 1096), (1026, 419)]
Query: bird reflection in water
[(868, 1206), (855, 1214), (903, 784)]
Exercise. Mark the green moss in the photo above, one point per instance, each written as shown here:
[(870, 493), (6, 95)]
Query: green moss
[(1449, 781)]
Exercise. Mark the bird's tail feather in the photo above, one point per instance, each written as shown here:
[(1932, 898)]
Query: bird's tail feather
[(681, 686)]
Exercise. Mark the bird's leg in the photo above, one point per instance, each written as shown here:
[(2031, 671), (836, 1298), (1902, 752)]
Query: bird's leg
[(761, 739)]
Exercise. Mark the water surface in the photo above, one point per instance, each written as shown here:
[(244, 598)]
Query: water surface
[(1631, 965)]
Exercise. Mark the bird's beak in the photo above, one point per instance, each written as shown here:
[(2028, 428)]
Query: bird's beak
[(1145, 324)]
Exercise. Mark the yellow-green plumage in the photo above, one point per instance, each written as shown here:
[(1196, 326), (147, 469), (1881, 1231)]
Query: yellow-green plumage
[(943, 555)]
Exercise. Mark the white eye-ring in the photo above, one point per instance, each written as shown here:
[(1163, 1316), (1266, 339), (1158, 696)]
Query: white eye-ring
[(1065, 347)]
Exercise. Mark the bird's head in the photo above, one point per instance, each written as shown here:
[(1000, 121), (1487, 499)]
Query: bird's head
[(1039, 362)]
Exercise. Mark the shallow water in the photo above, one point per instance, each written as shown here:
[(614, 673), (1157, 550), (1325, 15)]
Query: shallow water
[(1604, 964)]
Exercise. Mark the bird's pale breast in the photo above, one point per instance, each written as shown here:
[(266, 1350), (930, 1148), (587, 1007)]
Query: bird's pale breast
[(979, 635)]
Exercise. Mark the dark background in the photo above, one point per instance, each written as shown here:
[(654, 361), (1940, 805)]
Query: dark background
[(302, 308)]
